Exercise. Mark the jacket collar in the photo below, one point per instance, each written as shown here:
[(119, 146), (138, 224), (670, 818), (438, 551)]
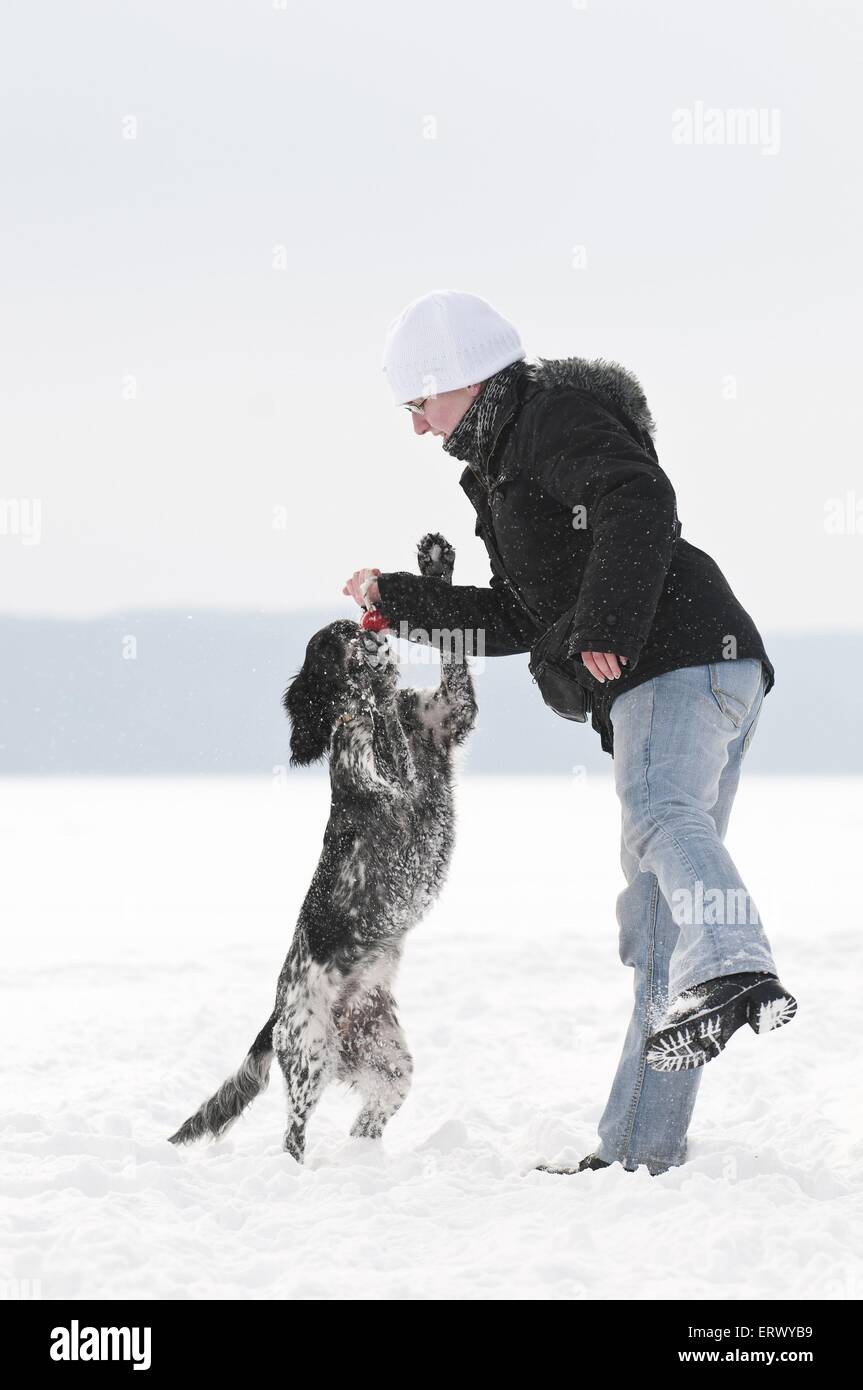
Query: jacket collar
[(613, 385)]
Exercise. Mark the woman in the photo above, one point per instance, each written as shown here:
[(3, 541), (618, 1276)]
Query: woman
[(624, 619)]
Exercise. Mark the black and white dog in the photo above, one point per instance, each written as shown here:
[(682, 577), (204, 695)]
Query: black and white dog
[(386, 852)]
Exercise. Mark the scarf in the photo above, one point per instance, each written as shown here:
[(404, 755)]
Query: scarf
[(473, 438)]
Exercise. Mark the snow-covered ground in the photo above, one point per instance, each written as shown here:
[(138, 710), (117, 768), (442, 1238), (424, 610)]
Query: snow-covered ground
[(145, 925)]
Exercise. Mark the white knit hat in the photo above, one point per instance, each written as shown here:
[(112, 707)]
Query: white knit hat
[(444, 340)]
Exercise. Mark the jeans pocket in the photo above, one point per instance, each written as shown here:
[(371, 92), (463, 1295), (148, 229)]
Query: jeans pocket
[(754, 725), (734, 686)]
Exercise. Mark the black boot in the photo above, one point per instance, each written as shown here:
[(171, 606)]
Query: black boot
[(701, 1020), (590, 1161)]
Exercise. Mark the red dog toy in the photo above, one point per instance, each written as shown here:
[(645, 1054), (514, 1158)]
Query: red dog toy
[(373, 621)]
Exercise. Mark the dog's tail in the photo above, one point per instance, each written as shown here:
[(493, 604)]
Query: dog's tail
[(217, 1114)]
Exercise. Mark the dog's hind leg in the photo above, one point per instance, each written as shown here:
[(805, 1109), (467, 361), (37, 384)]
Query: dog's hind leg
[(375, 1059), (306, 1048)]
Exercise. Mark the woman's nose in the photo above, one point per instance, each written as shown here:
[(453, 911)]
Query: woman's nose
[(421, 424)]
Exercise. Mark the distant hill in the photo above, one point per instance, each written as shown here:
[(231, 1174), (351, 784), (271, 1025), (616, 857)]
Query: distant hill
[(202, 695)]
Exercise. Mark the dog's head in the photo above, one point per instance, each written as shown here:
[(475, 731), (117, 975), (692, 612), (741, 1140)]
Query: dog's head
[(343, 665)]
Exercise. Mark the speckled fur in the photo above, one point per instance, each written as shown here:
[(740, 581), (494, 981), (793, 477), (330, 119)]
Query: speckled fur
[(385, 857)]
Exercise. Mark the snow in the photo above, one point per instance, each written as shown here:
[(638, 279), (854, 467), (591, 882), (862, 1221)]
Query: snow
[(146, 924)]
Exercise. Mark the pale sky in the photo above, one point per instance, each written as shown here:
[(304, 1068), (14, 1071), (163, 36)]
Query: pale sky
[(392, 149)]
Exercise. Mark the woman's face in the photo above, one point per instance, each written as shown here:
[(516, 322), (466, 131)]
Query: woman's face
[(442, 413)]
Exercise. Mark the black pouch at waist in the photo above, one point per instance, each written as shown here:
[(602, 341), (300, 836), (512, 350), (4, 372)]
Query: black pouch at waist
[(562, 692), (552, 672)]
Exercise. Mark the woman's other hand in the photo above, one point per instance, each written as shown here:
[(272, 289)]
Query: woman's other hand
[(603, 665)]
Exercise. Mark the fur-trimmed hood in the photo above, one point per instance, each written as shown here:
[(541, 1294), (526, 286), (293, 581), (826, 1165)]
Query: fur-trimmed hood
[(617, 384)]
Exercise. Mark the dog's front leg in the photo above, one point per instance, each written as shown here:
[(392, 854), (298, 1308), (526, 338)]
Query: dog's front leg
[(449, 712), (435, 557), (353, 761)]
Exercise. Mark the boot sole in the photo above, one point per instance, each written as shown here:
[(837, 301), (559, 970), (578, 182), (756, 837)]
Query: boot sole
[(555, 1168), (764, 1006)]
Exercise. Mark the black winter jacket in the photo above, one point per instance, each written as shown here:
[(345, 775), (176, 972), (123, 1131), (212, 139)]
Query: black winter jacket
[(580, 524)]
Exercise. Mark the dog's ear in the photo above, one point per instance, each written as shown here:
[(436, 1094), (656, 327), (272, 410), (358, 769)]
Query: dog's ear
[(311, 708)]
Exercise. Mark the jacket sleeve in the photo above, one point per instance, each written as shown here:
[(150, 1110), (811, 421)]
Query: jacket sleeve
[(422, 608), (631, 514)]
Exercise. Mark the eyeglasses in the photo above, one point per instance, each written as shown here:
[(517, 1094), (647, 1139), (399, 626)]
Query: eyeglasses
[(418, 409)]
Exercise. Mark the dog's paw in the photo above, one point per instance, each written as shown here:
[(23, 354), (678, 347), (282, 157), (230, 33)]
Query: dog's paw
[(435, 556)]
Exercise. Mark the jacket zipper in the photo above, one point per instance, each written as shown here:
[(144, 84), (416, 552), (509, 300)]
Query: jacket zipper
[(492, 545), (513, 590)]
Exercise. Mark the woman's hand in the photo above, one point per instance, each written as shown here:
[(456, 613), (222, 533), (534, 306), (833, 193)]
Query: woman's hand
[(354, 590), (602, 664)]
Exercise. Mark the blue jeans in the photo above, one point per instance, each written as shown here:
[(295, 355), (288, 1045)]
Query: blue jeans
[(685, 916)]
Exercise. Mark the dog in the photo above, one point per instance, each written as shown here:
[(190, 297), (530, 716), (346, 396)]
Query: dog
[(386, 852)]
